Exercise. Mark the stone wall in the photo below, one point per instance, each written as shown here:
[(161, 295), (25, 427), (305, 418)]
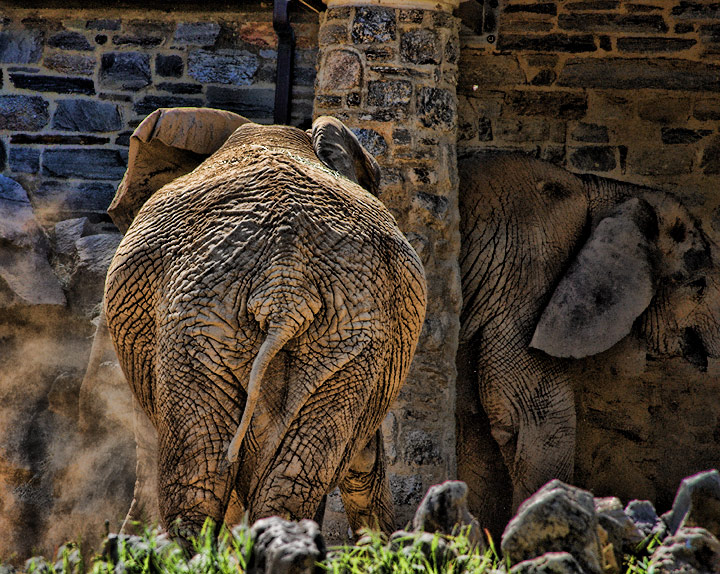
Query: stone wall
[(75, 83), (625, 89), (628, 90), (390, 74)]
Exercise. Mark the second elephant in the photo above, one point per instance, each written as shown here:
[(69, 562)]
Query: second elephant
[(265, 309), (558, 266)]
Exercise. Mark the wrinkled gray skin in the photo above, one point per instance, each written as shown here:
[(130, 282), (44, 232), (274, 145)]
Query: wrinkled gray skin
[(265, 309), (554, 266)]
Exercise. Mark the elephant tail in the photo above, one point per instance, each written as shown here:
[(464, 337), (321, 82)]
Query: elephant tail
[(277, 337)]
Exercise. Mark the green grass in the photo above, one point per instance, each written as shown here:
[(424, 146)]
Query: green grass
[(403, 553)]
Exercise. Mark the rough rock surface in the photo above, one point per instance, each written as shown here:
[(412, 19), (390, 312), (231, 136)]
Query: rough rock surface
[(549, 563), (444, 509), (697, 504), (557, 518), (284, 547), (621, 531), (689, 551)]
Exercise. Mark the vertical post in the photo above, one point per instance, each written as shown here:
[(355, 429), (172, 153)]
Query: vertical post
[(286, 47), (388, 70)]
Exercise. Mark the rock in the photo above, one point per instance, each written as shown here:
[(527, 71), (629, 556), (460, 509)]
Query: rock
[(90, 163), (26, 277), (696, 504), (643, 514), (23, 113), (86, 116), (622, 532), (689, 551), (20, 46), (86, 284), (549, 563), (237, 68), (557, 518), (444, 509), (24, 160), (284, 547), (37, 565), (125, 70), (169, 66)]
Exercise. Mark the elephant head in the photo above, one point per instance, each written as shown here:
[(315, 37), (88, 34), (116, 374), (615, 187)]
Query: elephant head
[(264, 308), (557, 266)]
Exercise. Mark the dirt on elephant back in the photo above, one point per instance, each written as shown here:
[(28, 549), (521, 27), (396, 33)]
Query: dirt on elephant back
[(643, 423)]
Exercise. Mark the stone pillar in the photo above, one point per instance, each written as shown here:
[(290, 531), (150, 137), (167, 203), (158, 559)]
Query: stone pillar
[(388, 70)]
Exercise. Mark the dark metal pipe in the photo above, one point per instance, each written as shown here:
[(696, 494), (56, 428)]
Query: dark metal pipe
[(286, 48)]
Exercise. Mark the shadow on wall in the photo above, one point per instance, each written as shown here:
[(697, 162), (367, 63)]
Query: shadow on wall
[(56, 482)]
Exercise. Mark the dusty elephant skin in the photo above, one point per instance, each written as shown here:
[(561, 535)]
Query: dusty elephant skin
[(265, 309), (558, 266)]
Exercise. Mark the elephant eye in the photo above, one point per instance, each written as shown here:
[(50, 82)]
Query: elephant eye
[(677, 231)]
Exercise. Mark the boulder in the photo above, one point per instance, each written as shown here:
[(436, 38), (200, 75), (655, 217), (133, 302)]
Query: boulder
[(689, 551), (696, 504), (557, 518), (26, 277), (550, 563), (444, 509), (643, 514), (432, 546), (621, 531), (284, 547)]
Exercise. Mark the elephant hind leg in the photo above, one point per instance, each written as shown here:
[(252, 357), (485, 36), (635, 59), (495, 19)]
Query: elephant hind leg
[(365, 489)]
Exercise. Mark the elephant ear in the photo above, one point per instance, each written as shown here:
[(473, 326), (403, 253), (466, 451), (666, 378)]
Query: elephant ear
[(169, 143), (339, 149), (608, 285)]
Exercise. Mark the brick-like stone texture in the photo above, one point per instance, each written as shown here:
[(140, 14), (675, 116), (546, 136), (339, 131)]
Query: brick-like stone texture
[(395, 86), (628, 89), (75, 83)]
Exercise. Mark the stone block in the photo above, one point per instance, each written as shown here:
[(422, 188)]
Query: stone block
[(655, 161), (55, 196), (379, 54), (88, 163), (389, 94), (672, 136), (407, 491), (55, 139), (548, 8), (196, 33), (573, 43), (260, 34), (643, 44), (593, 158), (170, 66), (237, 68), (138, 41), (420, 46), (521, 130), (147, 105), (603, 22), (342, 70), (57, 84), (484, 71), (23, 113), (257, 104), (437, 108), (86, 116), (24, 159), (103, 24), (557, 104), (371, 140), (70, 64), (636, 74), (20, 46), (125, 70), (590, 133), (179, 88), (3, 156), (696, 10), (707, 109), (333, 34), (666, 109), (691, 550), (68, 40), (373, 24)]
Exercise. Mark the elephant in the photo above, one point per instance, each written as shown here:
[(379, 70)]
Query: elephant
[(555, 267), (264, 307)]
